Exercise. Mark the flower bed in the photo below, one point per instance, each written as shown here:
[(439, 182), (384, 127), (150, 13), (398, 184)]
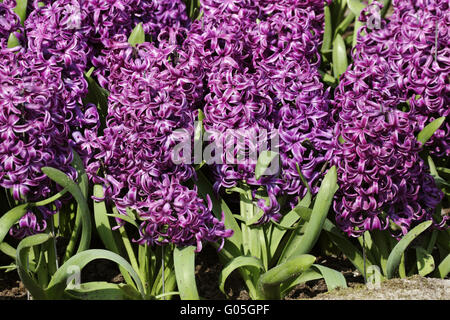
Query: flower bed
[(280, 134)]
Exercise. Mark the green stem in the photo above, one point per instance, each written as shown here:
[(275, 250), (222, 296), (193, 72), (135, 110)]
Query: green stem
[(52, 257), (41, 270), (144, 271), (74, 237), (432, 242), (382, 243), (342, 27), (129, 249)]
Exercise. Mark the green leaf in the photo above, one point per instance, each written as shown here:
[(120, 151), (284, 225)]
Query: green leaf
[(386, 5), (303, 212), (9, 268), (432, 166), (83, 180), (130, 291), (98, 291), (265, 159), (371, 251), (340, 62), (342, 27), (49, 199), (346, 247), (356, 6), (444, 170), (219, 206), (251, 243), (137, 36), (425, 262), (429, 130), (333, 278), (306, 276), (104, 229), (235, 189), (303, 244), (397, 253), (303, 179), (36, 291), (13, 41), (328, 79), (64, 180), (269, 282), (255, 218), (381, 241), (58, 282), (184, 264), (101, 220), (21, 9), (124, 218), (10, 218), (238, 262), (328, 30), (8, 250), (286, 222), (443, 269)]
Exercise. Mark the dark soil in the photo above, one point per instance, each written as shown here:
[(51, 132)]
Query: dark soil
[(10, 286)]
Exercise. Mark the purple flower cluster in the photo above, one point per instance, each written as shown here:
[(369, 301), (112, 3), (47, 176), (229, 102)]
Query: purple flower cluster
[(382, 178), (9, 22), (415, 44), (261, 78), (41, 93), (42, 86), (107, 18), (77, 31), (35, 125), (149, 106)]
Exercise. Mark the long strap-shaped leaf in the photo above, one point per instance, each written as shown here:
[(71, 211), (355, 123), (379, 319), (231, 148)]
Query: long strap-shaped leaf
[(236, 263), (425, 262), (328, 30), (321, 207), (100, 290), (347, 248), (103, 228), (340, 62), (269, 282), (356, 6), (397, 253), (334, 279), (429, 130), (21, 9), (8, 250), (184, 263), (63, 180), (308, 275), (58, 282), (10, 218), (233, 244), (277, 232), (443, 269), (36, 291)]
